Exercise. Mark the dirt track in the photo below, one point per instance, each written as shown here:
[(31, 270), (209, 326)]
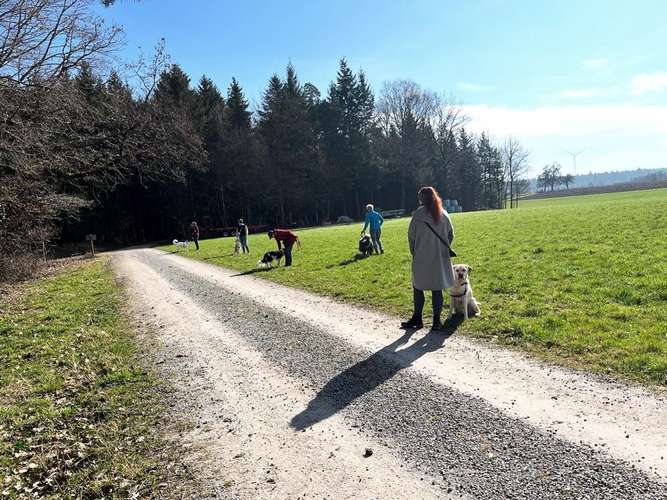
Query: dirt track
[(289, 390)]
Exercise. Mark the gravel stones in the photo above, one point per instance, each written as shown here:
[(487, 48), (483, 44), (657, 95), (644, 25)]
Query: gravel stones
[(464, 442)]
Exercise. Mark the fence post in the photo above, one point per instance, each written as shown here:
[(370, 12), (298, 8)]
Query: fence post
[(92, 238)]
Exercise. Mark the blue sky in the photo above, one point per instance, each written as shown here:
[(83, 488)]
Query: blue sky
[(563, 75)]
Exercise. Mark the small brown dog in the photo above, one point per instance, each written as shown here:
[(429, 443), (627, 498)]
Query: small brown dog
[(461, 299)]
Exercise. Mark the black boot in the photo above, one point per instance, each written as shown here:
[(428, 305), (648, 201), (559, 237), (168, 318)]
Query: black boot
[(437, 324), (412, 323)]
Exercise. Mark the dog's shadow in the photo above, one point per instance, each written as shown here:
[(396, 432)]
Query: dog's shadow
[(371, 372), (347, 262), (253, 271), (212, 257)]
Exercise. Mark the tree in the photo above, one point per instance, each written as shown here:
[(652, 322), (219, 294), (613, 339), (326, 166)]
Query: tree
[(42, 40), (346, 121), (240, 149), (515, 165), (491, 173), (449, 118), (553, 174), (567, 180), (469, 171), (209, 118), (405, 115), (290, 146), (543, 179), (521, 188)]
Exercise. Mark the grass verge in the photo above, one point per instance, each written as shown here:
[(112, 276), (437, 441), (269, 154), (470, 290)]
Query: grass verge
[(578, 280), (79, 417)]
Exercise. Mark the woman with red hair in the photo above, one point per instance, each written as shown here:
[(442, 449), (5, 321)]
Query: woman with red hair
[(430, 236)]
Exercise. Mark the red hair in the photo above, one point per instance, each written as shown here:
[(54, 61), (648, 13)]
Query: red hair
[(431, 200)]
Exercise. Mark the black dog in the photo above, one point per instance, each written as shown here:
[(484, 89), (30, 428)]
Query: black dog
[(269, 257), (365, 245)]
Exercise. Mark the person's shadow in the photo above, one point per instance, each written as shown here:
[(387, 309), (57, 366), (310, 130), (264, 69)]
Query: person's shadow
[(347, 262), (253, 271), (366, 375)]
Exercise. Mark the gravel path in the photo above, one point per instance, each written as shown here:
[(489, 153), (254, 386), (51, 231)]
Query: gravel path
[(429, 434)]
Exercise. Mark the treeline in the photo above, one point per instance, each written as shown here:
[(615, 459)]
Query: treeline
[(609, 178), (302, 158), (136, 155)]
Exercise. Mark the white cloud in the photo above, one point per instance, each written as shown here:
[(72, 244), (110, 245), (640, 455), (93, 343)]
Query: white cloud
[(614, 136), (596, 64), (649, 82), (473, 87), (567, 120)]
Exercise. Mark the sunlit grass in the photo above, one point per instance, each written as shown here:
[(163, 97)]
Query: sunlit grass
[(581, 280), (79, 417)]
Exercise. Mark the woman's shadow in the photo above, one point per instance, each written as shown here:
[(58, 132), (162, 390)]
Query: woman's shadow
[(366, 375)]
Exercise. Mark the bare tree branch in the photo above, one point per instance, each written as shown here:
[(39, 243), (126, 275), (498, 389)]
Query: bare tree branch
[(42, 40)]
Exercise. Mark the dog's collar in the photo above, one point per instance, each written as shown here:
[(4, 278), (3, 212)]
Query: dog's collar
[(465, 290)]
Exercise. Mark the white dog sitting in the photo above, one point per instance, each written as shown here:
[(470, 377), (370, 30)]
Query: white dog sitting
[(461, 300), (237, 246), (181, 245)]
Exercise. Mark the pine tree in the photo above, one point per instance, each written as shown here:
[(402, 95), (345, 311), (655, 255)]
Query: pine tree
[(238, 116), (209, 113), (288, 133), (470, 172), (174, 86), (347, 125), (491, 173), (240, 151)]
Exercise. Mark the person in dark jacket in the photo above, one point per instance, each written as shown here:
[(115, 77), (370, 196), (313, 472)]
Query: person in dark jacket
[(242, 233), (285, 240), (194, 228)]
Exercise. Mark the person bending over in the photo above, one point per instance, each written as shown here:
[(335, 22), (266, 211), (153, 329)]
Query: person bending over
[(285, 240)]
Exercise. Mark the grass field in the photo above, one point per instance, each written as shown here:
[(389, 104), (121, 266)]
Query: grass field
[(79, 418), (579, 280)]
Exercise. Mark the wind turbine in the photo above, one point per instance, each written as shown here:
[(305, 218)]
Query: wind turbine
[(574, 159)]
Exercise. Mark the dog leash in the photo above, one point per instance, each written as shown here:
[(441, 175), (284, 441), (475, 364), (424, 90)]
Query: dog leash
[(452, 253)]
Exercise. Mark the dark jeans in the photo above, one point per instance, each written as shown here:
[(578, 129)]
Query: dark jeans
[(288, 254), (195, 238), (244, 244), (418, 298)]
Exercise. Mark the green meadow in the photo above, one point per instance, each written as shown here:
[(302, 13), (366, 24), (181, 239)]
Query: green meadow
[(79, 417), (577, 280)]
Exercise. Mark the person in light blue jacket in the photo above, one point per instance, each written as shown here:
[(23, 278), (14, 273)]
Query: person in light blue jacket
[(374, 220)]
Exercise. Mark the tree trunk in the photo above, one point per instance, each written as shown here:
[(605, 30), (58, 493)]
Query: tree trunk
[(358, 204), (224, 206), (403, 194)]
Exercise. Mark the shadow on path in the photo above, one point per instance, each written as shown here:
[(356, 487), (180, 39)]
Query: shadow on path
[(218, 256), (253, 271), (366, 375)]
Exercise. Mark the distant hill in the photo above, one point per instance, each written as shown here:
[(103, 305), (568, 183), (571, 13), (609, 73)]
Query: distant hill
[(640, 175)]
